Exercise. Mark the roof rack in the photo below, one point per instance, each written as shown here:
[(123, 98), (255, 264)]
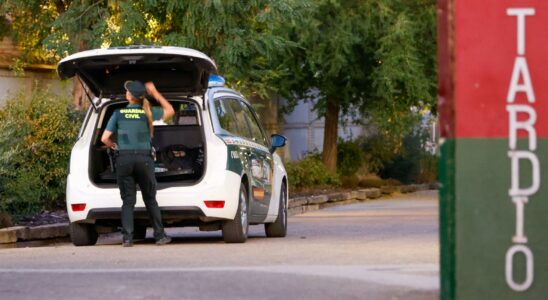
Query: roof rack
[(135, 47)]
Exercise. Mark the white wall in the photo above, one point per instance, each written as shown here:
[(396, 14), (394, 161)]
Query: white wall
[(11, 84), (305, 131)]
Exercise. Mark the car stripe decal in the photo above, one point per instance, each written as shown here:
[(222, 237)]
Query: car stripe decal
[(243, 142)]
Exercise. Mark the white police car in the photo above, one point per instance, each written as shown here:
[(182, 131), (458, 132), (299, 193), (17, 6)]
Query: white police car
[(215, 166)]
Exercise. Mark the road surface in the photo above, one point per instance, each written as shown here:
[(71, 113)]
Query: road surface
[(382, 249)]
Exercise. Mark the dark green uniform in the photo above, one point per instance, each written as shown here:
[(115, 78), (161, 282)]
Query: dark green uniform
[(135, 165)]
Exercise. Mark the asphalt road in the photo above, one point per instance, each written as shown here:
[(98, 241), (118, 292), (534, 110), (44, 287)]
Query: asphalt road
[(382, 249)]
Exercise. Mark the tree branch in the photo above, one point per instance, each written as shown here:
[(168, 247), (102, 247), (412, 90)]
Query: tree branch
[(88, 8)]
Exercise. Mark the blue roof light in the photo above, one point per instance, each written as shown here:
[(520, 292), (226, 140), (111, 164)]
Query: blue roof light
[(216, 80)]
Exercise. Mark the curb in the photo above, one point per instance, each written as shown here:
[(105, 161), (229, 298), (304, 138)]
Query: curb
[(296, 206), (300, 205), (22, 233)]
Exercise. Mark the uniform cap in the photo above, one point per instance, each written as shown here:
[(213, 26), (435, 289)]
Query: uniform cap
[(136, 88)]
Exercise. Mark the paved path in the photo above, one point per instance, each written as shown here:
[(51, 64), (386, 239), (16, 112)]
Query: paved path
[(382, 249)]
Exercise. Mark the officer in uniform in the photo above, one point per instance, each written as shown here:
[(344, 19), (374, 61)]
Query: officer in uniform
[(134, 164)]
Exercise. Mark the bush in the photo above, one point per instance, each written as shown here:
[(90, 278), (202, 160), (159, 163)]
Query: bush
[(350, 157), (379, 149), (350, 181), (428, 169), (374, 181), (402, 156), (413, 163), (36, 136), (371, 181), (309, 172)]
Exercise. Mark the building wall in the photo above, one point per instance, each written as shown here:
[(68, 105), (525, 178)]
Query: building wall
[(304, 130), (11, 84), (43, 76)]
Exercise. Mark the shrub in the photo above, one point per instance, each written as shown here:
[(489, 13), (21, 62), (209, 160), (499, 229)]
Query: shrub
[(374, 181), (379, 149), (350, 181), (428, 169), (36, 136), (371, 181), (309, 172), (413, 163), (400, 156), (350, 157)]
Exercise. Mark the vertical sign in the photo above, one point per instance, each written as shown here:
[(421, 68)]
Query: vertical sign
[(493, 105)]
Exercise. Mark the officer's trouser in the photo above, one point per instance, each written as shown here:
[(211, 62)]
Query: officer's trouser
[(131, 169)]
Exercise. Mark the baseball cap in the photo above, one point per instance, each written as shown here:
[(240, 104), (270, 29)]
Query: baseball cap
[(136, 88)]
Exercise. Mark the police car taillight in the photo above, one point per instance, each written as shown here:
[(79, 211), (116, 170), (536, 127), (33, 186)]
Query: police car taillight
[(78, 207), (214, 203)]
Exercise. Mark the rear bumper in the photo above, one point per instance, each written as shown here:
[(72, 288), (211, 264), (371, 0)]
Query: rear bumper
[(114, 213), (176, 203)]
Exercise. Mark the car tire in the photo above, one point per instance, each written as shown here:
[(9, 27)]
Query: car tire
[(279, 227), (235, 231), (140, 232), (83, 234)]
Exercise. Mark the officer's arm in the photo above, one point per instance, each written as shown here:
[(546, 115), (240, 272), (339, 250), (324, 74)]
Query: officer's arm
[(106, 139), (112, 126), (168, 109)]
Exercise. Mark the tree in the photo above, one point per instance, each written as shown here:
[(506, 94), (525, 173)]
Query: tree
[(36, 30), (376, 58), (239, 35)]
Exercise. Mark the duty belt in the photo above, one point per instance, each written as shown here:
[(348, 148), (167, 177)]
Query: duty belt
[(134, 152)]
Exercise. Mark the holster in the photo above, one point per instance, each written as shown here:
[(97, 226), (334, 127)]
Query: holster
[(112, 154)]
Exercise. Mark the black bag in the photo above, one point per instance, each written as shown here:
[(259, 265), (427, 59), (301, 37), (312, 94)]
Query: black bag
[(181, 158)]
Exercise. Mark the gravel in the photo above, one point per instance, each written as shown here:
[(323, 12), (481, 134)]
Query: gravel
[(44, 218)]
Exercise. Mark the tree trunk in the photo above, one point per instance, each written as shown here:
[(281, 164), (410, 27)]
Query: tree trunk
[(78, 94), (330, 135)]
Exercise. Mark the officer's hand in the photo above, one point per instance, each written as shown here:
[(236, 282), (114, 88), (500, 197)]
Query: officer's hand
[(151, 88), (114, 146)]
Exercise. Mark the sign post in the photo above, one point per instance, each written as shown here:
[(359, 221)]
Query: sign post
[(493, 105)]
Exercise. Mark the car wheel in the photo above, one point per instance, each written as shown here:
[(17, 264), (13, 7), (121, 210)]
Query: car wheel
[(279, 227), (140, 232), (83, 234), (235, 231)]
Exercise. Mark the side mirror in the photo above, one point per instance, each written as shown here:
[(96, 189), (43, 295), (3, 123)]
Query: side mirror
[(277, 141)]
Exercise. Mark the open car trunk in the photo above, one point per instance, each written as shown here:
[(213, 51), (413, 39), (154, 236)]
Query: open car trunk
[(179, 145)]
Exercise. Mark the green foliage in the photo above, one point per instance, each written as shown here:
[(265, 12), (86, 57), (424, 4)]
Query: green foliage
[(350, 157), (367, 56), (374, 181), (36, 136), (350, 181), (309, 172), (242, 36), (399, 76), (380, 149), (412, 163), (375, 58), (4, 27), (428, 169), (28, 23), (369, 181)]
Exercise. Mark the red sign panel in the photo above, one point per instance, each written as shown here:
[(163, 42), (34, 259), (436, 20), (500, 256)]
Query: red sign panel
[(502, 68)]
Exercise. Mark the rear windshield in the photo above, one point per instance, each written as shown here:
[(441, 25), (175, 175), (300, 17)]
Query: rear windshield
[(186, 114)]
